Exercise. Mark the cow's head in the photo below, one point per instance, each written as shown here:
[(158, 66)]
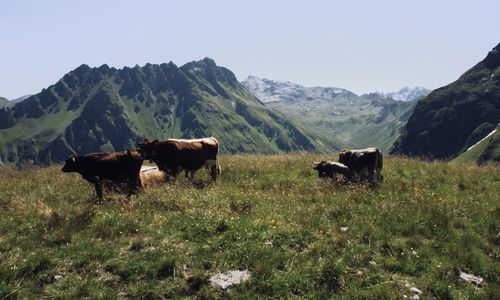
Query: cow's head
[(321, 167), (135, 153), (70, 165), (148, 148), (344, 156)]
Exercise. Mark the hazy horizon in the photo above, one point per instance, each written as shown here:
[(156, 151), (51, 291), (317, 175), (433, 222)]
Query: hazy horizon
[(362, 47)]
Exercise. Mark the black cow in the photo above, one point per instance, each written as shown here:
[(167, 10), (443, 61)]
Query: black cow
[(117, 167), (363, 163), (332, 169)]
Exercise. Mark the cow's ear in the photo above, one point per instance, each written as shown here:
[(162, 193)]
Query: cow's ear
[(155, 142)]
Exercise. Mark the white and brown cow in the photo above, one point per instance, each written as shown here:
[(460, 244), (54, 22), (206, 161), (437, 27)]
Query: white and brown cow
[(174, 155), (365, 164)]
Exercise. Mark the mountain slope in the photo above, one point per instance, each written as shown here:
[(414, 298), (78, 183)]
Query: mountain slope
[(486, 149), (106, 109), (445, 121), (358, 121), (4, 102)]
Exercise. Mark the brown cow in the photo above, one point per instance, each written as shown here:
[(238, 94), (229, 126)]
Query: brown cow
[(117, 167), (173, 155), (363, 163)]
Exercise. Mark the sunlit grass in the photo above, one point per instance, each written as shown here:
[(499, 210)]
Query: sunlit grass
[(268, 214)]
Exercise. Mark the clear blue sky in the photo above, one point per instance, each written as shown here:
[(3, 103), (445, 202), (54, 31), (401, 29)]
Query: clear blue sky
[(358, 45)]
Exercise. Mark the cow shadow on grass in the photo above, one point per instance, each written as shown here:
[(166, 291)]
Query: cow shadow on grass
[(198, 184)]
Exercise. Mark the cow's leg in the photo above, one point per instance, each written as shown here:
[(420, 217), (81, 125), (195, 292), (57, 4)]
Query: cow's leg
[(98, 188), (371, 174), (190, 174), (172, 174), (134, 186), (213, 168)]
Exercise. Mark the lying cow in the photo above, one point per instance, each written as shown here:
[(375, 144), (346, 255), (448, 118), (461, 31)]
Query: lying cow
[(332, 169), (365, 164), (173, 155), (151, 176), (117, 167)]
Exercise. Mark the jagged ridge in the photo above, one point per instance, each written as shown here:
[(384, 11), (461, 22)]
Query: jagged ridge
[(105, 109)]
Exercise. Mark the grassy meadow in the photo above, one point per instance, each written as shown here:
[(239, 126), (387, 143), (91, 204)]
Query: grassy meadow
[(298, 235)]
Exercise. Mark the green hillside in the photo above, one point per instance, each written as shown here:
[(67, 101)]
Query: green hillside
[(487, 150), (356, 121), (4, 102), (450, 118), (106, 109), (365, 121), (300, 237)]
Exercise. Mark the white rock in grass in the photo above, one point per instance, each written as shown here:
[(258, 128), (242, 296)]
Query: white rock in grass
[(471, 278), (228, 279), (344, 229), (415, 290)]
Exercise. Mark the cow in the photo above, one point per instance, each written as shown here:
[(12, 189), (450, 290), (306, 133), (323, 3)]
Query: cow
[(365, 164), (118, 167), (332, 169), (189, 155), (151, 176)]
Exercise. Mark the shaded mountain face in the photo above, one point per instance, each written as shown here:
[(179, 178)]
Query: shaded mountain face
[(357, 121), (451, 117), (14, 101), (107, 109)]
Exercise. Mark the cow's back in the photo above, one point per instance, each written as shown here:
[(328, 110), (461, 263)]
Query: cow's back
[(113, 166), (363, 158), (188, 154)]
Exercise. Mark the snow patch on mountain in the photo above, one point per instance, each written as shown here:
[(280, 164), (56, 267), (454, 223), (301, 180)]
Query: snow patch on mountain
[(273, 91), (487, 136), (406, 93)]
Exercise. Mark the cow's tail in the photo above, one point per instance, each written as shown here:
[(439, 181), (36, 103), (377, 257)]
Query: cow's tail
[(214, 163), (216, 143), (380, 160), (380, 164)]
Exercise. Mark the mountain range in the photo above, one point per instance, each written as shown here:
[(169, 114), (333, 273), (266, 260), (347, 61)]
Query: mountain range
[(106, 109), (450, 119), (357, 121)]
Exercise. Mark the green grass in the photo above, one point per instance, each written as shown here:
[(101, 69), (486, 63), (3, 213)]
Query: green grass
[(268, 214)]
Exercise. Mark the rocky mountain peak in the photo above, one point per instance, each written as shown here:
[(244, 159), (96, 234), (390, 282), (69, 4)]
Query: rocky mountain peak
[(492, 60), (406, 93)]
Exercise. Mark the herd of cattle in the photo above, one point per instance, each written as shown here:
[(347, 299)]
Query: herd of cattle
[(175, 155)]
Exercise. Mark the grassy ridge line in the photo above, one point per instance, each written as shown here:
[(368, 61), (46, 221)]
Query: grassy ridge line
[(269, 214)]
